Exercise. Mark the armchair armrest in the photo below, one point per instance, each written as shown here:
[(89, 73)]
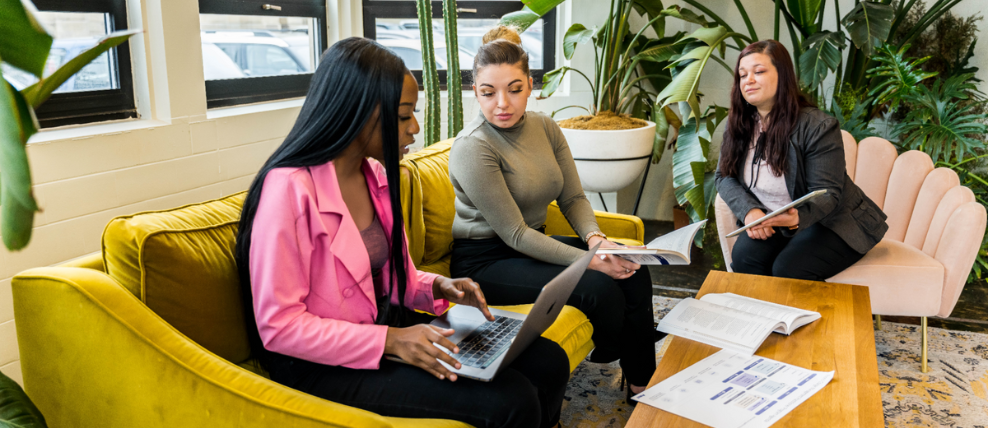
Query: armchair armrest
[(618, 226), (94, 356)]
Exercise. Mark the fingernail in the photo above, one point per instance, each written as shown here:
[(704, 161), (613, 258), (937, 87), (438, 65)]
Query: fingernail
[(441, 377)]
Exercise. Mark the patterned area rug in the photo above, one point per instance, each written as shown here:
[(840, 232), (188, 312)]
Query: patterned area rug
[(953, 394)]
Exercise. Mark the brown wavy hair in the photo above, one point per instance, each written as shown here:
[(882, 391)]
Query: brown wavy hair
[(773, 146), (502, 45)]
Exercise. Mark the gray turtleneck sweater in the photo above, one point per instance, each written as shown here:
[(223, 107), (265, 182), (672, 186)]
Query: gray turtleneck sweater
[(504, 178)]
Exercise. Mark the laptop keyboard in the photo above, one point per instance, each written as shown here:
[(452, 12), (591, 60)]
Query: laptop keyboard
[(487, 342)]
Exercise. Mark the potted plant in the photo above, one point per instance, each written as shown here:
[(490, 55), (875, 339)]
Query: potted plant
[(613, 143)]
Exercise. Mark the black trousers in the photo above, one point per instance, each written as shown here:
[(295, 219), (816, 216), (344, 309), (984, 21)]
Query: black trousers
[(816, 254), (620, 311), (527, 393)]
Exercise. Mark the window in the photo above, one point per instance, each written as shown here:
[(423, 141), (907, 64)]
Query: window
[(255, 51), (395, 25), (102, 90)]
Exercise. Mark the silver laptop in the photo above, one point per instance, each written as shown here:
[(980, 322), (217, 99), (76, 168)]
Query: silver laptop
[(487, 346)]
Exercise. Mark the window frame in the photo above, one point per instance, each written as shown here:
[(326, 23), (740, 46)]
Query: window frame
[(74, 108), (373, 9), (232, 92)]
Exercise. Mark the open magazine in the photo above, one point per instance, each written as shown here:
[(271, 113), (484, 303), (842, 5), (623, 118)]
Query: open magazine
[(672, 248), (733, 322)]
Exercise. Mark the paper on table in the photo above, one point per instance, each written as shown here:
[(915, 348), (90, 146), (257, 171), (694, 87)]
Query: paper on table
[(720, 326), (730, 390)]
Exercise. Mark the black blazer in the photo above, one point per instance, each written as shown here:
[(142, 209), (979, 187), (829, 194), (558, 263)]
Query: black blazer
[(816, 161)]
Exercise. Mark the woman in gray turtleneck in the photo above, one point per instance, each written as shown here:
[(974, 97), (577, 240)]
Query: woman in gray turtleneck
[(506, 166)]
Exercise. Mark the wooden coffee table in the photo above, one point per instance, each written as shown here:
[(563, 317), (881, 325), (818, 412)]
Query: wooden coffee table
[(842, 340)]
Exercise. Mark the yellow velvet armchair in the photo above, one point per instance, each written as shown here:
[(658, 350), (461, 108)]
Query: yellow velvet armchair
[(149, 332)]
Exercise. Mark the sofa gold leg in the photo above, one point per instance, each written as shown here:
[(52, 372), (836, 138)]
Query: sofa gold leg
[(878, 322), (923, 356)]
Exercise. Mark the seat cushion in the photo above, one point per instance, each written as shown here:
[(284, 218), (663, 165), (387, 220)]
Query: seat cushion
[(901, 279), (180, 263)]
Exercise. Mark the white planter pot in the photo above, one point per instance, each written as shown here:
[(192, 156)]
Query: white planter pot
[(608, 161)]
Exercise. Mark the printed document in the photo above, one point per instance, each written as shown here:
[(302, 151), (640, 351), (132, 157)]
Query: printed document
[(733, 322), (731, 390)]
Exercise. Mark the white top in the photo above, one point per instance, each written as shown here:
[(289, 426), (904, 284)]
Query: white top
[(769, 188)]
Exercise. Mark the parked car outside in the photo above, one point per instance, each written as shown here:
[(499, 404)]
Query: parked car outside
[(95, 76), (255, 55)]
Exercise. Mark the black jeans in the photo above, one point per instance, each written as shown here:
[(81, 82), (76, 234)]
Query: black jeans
[(816, 254), (527, 393), (620, 311)]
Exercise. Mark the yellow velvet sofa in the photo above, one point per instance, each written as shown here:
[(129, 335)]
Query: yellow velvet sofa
[(149, 331)]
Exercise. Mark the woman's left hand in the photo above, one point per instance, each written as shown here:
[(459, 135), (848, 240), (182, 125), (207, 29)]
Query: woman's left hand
[(462, 291), (787, 219)]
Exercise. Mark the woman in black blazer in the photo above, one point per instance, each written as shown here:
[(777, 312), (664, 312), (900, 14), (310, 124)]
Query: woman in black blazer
[(778, 147)]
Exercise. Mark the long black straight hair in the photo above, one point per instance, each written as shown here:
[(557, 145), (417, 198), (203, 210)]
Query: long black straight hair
[(354, 77)]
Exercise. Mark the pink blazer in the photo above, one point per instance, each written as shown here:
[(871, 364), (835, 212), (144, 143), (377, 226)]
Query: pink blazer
[(310, 272)]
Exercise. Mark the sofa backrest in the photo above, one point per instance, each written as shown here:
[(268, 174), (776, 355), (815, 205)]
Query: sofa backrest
[(427, 203), (180, 263)]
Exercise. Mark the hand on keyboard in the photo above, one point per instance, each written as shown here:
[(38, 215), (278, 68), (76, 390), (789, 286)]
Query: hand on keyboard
[(415, 345), (462, 291), (487, 342)]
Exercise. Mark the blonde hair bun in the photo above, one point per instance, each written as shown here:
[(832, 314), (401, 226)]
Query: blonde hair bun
[(502, 32)]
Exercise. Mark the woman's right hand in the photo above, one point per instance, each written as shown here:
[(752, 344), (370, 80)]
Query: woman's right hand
[(415, 345), (757, 232), (614, 266)]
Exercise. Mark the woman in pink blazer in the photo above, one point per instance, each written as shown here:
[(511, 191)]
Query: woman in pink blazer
[(325, 272)]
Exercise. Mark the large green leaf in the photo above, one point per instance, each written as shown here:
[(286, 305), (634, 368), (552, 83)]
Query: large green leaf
[(39, 92), (17, 205), (652, 9), (542, 7), (575, 35), (23, 41), (16, 409), (661, 132), (940, 125), (869, 24), (687, 15), (804, 13), (710, 36), (520, 20), (685, 83), (897, 76), (693, 184), (823, 54), (661, 53), (551, 81)]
